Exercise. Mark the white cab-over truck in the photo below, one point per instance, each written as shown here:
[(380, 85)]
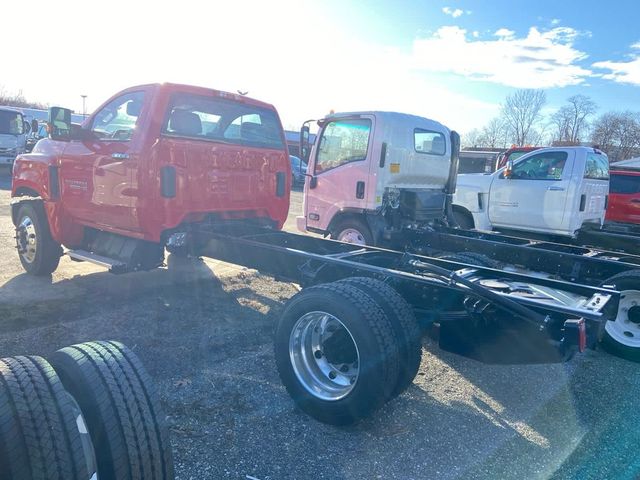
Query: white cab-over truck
[(554, 191), (13, 134), (372, 173)]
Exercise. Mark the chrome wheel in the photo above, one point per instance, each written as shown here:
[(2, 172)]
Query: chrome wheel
[(324, 356), (625, 329), (351, 235), (27, 240)]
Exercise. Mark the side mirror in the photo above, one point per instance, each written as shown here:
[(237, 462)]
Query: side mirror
[(34, 126), (60, 123), (313, 182), (304, 142), (26, 127), (508, 171)]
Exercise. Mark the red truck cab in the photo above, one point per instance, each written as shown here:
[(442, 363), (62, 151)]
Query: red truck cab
[(151, 161), (624, 196)]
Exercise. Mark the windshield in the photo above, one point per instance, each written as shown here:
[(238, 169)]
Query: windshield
[(11, 122)]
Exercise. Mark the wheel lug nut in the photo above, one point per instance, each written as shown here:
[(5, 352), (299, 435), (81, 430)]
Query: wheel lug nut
[(332, 375), (318, 354), (344, 368)]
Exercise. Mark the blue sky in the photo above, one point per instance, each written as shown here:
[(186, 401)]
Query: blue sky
[(454, 61)]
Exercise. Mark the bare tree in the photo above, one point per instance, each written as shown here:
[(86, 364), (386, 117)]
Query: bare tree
[(18, 100), (618, 134), (521, 112), (494, 133), (473, 138), (572, 120)]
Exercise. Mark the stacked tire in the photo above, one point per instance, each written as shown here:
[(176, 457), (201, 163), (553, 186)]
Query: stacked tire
[(344, 349), (90, 412)]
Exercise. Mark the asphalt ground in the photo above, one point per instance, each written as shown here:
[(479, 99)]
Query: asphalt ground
[(205, 332)]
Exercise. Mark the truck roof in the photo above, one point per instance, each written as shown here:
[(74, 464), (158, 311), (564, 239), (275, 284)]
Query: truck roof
[(395, 118), (10, 109), (205, 91)]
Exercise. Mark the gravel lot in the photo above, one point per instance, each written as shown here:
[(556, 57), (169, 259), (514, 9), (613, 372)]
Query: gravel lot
[(204, 331)]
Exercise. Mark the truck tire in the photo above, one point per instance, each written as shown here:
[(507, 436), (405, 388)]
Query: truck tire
[(352, 230), (121, 409), (622, 336), (39, 425), (39, 253), (336, 353), (404, 323), (463, 219)]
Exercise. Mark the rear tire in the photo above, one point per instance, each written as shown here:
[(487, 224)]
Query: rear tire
[(121, 408), (622, 336), (352, 230), (405, 327), (39, 253), (39, 425), (336, 353)]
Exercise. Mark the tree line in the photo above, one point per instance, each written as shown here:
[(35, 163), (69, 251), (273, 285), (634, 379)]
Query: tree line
[(18, 100), (521, 122)]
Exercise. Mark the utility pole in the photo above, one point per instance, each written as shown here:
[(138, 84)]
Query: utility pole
[(84, 105)]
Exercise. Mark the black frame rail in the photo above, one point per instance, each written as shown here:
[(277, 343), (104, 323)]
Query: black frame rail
[(569, 262), (310, 260)]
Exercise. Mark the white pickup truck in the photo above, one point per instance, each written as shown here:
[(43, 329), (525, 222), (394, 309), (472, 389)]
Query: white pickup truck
[(553, 191)]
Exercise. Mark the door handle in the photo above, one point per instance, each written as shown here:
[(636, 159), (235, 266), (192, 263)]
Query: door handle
[(635, 200), (555, 189), (120, 156)]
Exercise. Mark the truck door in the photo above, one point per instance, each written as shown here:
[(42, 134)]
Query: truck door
[(98, 174), (340, 170), (534, 197), (590, 201)]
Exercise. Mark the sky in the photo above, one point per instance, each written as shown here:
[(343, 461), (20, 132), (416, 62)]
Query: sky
[(454, 61)]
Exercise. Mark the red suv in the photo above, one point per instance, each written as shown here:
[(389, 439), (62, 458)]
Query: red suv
[(624, 196)]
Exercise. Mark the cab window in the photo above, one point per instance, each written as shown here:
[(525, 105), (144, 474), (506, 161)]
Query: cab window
[(597, 167), (543, 166), (117, 120), (216, 119), (342, 142), (428, 142)]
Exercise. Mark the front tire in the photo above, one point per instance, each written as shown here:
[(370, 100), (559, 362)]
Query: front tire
[(39, 253), (336, 353), (622, 336), (352, 230)]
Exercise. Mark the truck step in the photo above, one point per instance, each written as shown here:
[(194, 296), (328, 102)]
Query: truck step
[(114, 266)]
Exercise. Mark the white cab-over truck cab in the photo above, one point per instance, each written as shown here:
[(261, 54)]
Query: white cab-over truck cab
[(373, 173), (553, 191), (13, 134)]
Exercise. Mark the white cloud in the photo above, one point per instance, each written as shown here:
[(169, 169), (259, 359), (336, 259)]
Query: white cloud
[(504, 32), (542, 59), (623, 72), (475, 34), (555, 21), (303, 80), (454, 13)]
